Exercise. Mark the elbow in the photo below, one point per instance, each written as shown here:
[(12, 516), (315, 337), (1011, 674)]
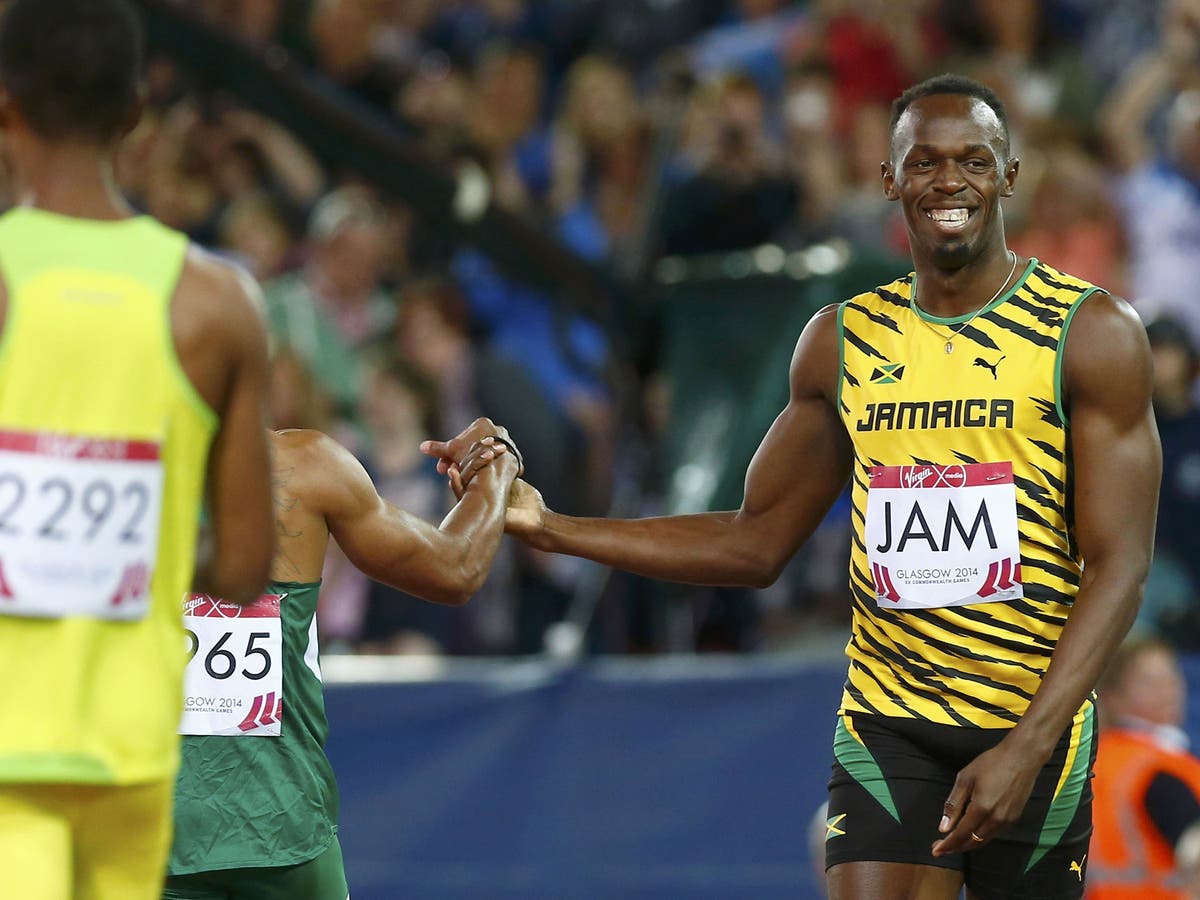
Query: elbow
[(759, 568), (450, 595), (459, 586), (763, 576), (752, 555)]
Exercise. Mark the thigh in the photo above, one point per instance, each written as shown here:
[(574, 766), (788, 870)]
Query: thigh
[(1043, 856), (885, 796), (122, 837), (892, 881), (35, 842)]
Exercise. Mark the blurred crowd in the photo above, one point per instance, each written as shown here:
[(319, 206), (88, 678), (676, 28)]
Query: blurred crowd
[(627, 130)]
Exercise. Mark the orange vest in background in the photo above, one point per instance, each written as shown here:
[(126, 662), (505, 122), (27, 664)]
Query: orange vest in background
[(1128, 858)]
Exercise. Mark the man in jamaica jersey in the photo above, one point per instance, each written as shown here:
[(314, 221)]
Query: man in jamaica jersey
[(993, 417)]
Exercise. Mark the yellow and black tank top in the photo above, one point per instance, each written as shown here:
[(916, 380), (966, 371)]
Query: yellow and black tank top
[(103, 446), (922, 417)]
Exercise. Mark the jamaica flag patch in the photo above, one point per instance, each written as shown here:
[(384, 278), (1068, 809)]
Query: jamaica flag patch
[(889, 374)]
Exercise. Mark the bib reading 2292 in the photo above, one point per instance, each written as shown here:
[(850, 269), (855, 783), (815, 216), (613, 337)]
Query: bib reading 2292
[(963, 566)]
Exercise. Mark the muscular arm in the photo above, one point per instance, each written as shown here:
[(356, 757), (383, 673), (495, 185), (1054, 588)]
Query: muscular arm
[(1117, 464), (1117, 468), (797, 472), (221, 340), (446, 563)]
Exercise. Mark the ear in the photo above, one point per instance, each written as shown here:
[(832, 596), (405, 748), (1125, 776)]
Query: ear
[(889, 181), (1010, 177)]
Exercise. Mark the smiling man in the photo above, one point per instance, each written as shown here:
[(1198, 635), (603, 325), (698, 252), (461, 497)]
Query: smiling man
[(965, 732)]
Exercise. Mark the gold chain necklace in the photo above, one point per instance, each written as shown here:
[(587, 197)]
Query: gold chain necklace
[(957, 331)]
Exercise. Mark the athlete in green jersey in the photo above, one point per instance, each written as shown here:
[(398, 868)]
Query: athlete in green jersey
[(256, 802)]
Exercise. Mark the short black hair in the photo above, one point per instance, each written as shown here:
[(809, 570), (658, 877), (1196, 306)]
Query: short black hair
[(949, 83), (72, 67)]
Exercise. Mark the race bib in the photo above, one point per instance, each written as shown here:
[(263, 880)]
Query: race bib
[(233, 684), (943, 535), (79, 520)]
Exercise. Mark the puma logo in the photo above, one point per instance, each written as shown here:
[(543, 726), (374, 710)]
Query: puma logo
[(991, 367), (1077, 867)]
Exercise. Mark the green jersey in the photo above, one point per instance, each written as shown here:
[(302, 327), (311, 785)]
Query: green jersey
[(261, 793)]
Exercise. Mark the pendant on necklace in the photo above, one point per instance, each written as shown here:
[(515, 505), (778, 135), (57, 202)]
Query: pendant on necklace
[(949, 347)]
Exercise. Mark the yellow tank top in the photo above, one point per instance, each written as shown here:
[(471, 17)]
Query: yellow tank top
[(963, 564), (103, 447)]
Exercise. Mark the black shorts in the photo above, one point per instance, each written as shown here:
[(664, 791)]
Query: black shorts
[(892, 776)]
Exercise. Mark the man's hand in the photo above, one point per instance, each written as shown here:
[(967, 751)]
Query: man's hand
[(988, 796), (526, 513), (454, 451), (477, 459)]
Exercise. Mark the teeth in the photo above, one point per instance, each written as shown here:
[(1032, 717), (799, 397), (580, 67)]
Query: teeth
[(949, 216)]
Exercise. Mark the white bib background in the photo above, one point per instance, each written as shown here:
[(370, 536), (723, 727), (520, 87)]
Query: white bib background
[(943, 535), (233, 684), (79, 520)]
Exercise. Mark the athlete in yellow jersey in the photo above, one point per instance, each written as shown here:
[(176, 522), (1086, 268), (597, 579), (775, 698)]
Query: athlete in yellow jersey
[(994, 417), (131, 367)]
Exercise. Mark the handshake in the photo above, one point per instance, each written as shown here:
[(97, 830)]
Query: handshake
[(482, 444)]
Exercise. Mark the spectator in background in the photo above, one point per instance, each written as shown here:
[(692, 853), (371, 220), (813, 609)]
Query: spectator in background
[(753, 37), (739, 193), (435, 101), (863, 216), (189, 164), (504, 124), (1072, 223), (1146, 842), (345, 42), (598, 158), (814, 157), (1172, 607), (254, 231), (336, 304), (1158, 192), (255, 23)]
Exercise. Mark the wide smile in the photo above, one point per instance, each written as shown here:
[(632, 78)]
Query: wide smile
[(950, 221)]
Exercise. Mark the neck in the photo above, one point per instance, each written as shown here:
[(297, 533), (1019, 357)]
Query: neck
[(69, 178), (948, 293)]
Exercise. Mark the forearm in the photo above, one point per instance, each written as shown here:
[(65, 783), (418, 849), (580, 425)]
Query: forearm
[(1103, 612), (706, 548), (471, 532)]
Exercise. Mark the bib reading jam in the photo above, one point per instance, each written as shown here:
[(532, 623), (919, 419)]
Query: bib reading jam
[(963, 566), (103, 442)]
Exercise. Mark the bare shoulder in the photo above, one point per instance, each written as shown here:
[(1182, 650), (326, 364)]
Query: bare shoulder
[(1105, 330), (816, 360), (303, 445), (218, 326), (219, 296), (312, 454), (1106, 352), (319, 468)]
